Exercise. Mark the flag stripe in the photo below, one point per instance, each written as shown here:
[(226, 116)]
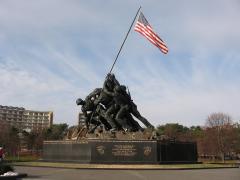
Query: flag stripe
[(144, 34), (164, 51), (158, 44), (151, 39), (143, 27), (152, 35), (157, 37)]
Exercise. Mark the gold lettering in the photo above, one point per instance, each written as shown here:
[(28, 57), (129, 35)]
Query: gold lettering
[(124, 150)]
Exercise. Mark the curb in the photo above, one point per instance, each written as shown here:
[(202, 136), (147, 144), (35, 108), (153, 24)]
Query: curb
[(126, 168)]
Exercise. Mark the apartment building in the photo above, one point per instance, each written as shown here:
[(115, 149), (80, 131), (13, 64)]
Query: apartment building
[(37, 119), (26, 119)]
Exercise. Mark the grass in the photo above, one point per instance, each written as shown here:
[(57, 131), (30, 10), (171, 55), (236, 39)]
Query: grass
[(221, 162), (119, 166), (22, 158)]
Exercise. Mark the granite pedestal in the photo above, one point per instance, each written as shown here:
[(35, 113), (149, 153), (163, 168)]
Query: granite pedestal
[(120, 151)]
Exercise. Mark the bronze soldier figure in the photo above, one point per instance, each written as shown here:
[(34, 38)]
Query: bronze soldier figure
[(113, 107)]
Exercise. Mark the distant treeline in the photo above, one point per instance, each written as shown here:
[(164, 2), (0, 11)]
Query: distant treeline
[(218, 138)]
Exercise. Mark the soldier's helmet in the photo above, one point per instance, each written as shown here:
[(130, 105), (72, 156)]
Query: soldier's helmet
[(120, 88), (79, 101), (117, 89), (123, 88), (110, 77)]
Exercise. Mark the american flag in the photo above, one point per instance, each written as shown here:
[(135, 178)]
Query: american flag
[(143, 27)]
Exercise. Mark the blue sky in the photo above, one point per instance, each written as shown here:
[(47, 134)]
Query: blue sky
[(52, 52)]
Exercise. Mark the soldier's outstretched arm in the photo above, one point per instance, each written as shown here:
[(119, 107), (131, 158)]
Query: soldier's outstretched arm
[(108, 92), (137, 114), (95, 92)]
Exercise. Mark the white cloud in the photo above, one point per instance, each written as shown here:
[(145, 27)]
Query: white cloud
[(21, 88)]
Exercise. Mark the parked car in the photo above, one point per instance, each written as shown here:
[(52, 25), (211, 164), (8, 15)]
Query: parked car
[(1, 154)]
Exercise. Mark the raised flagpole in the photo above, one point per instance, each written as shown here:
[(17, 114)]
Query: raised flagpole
[(124, 40)]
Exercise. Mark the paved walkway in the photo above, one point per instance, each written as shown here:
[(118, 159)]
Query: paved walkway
[(38, 173)]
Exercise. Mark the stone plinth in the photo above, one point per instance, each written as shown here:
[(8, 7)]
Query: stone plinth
[(120, 151)]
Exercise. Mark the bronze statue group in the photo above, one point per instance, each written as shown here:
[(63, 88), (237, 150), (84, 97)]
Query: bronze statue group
[(112, 108)]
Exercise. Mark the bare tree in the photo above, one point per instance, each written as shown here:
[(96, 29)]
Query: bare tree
[(9, 138), (219, 120), (219, 134)]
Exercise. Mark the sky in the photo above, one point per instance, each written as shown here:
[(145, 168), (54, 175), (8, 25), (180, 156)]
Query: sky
[(55, 51)]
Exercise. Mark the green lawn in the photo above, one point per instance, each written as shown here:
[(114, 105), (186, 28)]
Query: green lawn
[(22, 158)]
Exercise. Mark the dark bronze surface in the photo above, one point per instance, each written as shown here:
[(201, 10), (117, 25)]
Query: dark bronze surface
[(112, 108), (120, 151)]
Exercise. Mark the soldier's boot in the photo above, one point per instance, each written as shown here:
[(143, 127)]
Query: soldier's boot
[(113, 125)]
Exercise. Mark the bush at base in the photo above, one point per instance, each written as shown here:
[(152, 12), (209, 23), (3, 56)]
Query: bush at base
[(5, 168)]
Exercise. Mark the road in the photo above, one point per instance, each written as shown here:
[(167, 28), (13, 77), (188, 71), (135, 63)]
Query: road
[(38, 173)]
